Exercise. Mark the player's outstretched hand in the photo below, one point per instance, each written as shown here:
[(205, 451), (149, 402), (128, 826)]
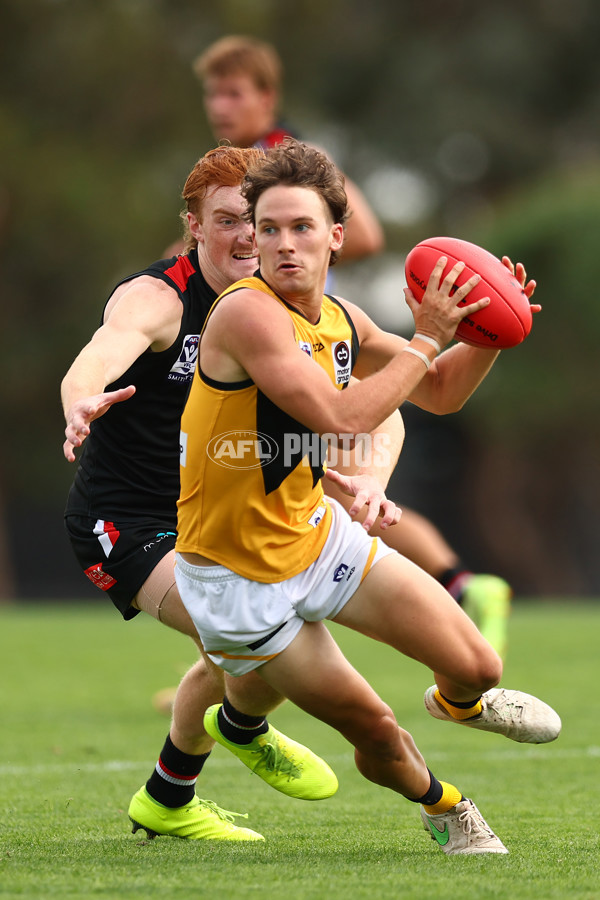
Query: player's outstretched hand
[(438, 315), (521, 275), (83, 412), (369, 496)]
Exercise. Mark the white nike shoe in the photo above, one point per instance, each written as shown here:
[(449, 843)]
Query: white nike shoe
[(518, 716), (462, 830)]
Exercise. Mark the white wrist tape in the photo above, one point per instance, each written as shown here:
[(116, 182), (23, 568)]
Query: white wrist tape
[(428, 340), (417, 353)]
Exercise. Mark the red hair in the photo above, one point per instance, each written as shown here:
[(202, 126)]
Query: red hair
[(225, 166)]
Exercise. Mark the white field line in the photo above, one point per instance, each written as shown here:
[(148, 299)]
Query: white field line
[(524, 753)]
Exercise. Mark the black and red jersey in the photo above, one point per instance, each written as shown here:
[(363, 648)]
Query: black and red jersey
[(129, 465), (274, 137)]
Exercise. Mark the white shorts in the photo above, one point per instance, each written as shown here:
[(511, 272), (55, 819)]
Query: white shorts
[(244, 623)]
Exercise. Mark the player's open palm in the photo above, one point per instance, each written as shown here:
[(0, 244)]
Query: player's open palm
[(82, 414), (369, 498), (521, 275)]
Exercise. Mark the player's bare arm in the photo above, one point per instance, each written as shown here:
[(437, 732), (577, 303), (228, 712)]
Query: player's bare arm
[(250, 334), (451, 379), (141, 314)]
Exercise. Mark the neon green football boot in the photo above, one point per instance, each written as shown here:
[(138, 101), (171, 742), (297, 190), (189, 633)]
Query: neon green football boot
[(196, 821), (486, 600), (285, 765)]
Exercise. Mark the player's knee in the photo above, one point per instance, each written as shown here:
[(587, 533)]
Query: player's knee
[(380, 735), (483, 671)]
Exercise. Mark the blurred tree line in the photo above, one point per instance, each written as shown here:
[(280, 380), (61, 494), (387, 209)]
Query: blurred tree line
[(476, 120)]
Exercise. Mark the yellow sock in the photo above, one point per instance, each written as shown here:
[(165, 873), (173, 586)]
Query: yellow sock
[(450, 797), (458, 712)]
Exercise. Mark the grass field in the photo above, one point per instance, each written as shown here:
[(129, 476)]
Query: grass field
[(79, 736)]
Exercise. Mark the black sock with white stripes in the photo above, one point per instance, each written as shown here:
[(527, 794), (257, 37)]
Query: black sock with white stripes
[(173, 782), (237, 727)]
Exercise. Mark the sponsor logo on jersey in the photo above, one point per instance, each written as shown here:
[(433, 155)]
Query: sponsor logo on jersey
[(101, 579), (341, 361), (242, 450), (184, 366), (311, 348)]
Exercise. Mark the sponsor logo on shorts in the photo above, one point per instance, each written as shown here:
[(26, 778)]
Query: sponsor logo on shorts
[(159, 537), (101, 579), (242, 450), (185, 364)]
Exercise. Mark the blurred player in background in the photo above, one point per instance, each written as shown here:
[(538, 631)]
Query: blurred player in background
[(242, 80)]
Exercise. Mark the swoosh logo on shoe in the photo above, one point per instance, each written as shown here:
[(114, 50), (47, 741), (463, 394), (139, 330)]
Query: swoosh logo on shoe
[(442, 837)]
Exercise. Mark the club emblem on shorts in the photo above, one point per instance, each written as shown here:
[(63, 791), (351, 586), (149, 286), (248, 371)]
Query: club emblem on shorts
[(341, 361), (184, 366), (340, 572), (107, 535)]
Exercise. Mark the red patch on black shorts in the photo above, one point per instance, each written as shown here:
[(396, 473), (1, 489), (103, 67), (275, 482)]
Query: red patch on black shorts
[(101, 579)]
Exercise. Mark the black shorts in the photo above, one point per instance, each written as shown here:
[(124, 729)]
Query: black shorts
[(118, 557)]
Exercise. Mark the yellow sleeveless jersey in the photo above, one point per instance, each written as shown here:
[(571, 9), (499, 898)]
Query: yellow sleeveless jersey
[(251, 496)]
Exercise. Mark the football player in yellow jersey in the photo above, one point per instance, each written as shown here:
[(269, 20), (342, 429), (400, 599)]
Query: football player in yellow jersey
[(263, 610)]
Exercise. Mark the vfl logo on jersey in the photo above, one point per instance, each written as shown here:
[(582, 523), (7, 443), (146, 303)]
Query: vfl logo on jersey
[(341, 361), (184, 366), (304, 345)]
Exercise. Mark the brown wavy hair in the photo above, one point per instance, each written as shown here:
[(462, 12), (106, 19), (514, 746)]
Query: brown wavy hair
[(296, 164)]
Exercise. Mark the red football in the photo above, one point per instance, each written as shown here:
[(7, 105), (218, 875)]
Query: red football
[(507, 319)]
